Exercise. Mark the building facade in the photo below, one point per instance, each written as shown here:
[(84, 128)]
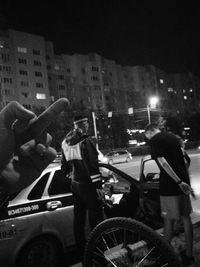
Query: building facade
[(23, 70), (32, 74)]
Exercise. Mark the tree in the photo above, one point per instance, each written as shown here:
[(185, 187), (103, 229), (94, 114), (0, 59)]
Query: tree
[(119, 130), (173, 124)]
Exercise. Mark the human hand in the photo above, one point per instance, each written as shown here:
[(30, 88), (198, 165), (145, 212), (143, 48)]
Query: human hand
[(186, 188), (193, 195), (100, 194), (25, 149)]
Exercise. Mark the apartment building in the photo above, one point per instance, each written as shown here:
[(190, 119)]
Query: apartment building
[(23, 69), (32, 74), (98, 83)]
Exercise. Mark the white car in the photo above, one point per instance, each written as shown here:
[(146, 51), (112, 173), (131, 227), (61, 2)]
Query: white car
[(118, 156), (38, 222), (37, 225)]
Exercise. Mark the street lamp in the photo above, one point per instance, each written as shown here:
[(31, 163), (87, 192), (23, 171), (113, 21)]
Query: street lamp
[(153, 101)]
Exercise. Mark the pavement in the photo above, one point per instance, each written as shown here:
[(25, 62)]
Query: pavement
[(178, 242)]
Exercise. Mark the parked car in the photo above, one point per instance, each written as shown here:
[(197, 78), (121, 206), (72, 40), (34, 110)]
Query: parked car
[(118, 156), (37, 226)]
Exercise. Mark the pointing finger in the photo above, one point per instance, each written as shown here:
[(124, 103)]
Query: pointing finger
[(38, 126)]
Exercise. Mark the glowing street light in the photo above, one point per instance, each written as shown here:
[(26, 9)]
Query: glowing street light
[(153, 101)]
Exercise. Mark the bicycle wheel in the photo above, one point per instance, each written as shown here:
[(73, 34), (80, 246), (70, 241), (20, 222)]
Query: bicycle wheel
[(125, 242)]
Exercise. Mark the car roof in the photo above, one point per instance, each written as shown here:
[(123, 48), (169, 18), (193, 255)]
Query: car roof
[(23, 194)]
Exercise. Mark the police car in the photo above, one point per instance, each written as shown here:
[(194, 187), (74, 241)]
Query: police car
[(37, 225)]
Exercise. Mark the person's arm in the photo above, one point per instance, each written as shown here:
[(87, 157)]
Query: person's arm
[(66, 167), (187, 159), (183, 186)]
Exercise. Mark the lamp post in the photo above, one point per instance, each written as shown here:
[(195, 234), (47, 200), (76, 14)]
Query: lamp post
[(153, 101), (95, 129)]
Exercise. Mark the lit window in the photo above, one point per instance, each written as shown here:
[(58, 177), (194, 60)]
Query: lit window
[(185, 97), (22, 49), (40, 96), (161, 81), (191, 90), (184, 91), (170, 90), (57, 67)]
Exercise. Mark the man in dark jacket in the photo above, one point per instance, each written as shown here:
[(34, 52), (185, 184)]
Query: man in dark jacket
[(80, 158)]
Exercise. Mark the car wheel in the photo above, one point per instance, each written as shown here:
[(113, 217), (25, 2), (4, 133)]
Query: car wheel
[(110, 162), (41, 252)]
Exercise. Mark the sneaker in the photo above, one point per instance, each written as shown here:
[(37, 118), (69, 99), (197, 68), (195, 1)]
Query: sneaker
[(186, 260)]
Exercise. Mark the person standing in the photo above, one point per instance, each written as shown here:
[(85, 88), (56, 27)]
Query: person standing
[(175, 186), (80, 157)]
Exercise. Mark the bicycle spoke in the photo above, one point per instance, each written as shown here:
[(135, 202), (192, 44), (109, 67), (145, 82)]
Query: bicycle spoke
[(122, 242)]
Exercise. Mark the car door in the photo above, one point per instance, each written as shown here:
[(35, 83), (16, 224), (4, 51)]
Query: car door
[(118, 186), (122, 156), (59, 202), (21, 221), (149, 188), (117, 157)]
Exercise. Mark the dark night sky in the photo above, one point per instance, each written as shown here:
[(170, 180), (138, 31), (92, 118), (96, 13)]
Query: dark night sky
[(163, 33)]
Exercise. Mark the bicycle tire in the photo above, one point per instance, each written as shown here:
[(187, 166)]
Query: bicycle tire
[(143, 247)]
